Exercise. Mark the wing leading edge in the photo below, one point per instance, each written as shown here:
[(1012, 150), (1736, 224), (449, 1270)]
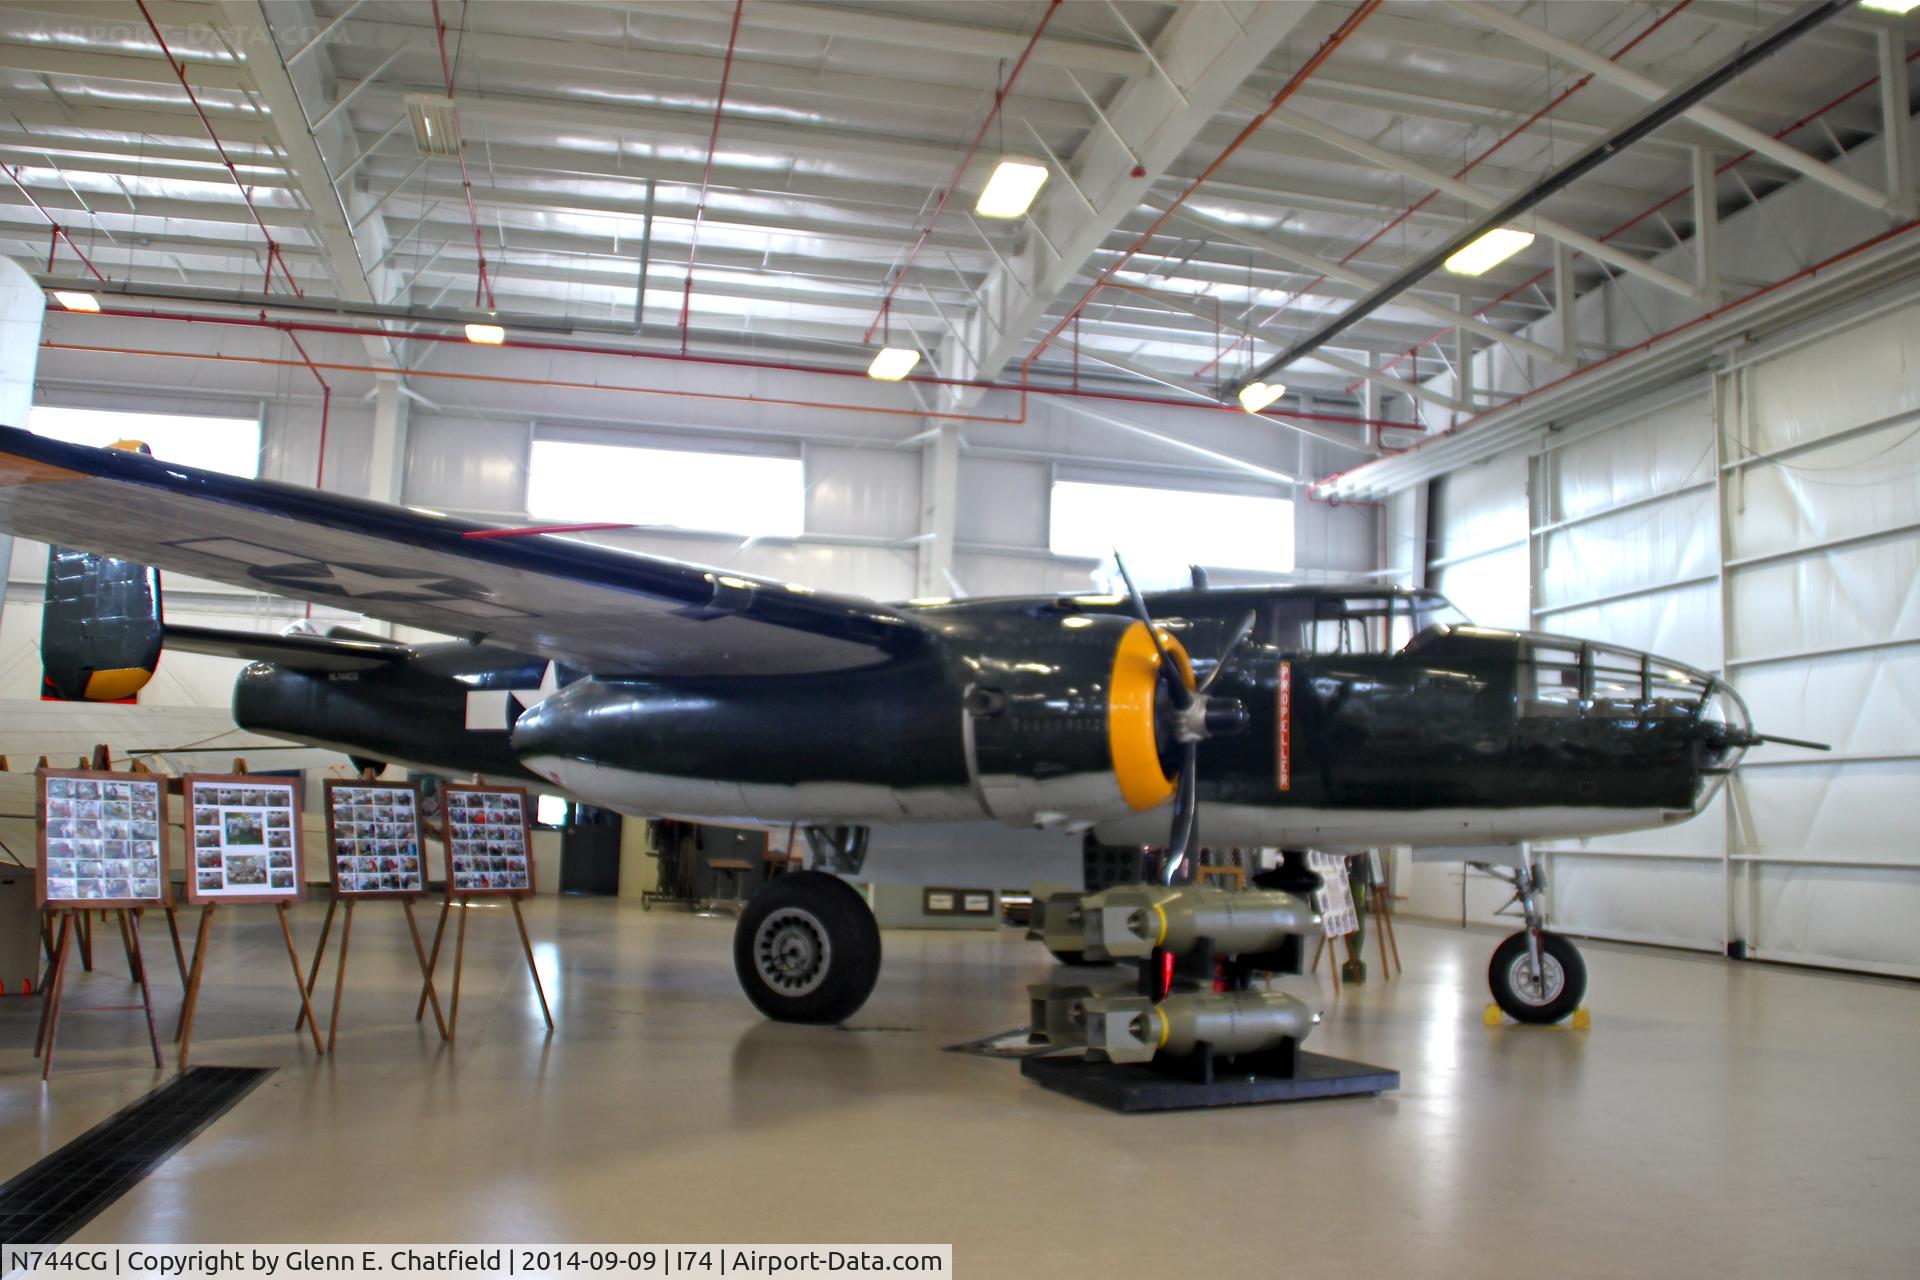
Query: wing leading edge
[(607, 611)]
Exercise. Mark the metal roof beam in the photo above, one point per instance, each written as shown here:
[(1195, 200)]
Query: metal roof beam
[(1479, 199), (918, 34), (1752, 139), (1347, 275), (622, 69), (1209, 48)]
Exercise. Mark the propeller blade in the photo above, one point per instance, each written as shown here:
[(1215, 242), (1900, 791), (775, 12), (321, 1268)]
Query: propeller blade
[(1239, 638), (1186, 813), (1176, 687)]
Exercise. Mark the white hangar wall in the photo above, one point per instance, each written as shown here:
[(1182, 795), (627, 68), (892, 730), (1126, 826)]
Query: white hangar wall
[(1763, 523)]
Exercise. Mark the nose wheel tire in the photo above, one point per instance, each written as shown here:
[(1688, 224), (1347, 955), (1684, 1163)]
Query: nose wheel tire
[(1548, 996), (806, 949)]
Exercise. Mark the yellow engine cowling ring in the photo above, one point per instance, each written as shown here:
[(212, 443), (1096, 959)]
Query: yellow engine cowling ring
[(1064, 732)]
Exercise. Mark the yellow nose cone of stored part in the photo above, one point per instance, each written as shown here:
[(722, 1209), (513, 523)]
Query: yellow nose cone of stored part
[(1130, 734)]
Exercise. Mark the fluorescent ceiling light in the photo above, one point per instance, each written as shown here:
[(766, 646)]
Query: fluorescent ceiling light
[(1011, 189), (491, 335), (1489, 251), (893, 363), (436, 131), (1256, 396), (1890, 6), (74, 300)]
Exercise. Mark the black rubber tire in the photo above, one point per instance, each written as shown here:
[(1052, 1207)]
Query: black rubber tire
[(817, 907), (1555, 950)]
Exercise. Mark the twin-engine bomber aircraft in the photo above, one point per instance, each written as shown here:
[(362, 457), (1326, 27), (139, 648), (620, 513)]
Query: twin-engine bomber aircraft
[(1336, 719)]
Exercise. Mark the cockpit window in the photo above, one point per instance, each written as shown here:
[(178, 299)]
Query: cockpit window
[(1360, 624)]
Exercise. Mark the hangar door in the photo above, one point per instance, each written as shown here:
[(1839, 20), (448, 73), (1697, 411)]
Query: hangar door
[(1765, 524)]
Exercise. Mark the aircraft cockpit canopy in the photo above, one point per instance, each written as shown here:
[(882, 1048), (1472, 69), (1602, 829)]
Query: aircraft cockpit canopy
[(1361, 624)]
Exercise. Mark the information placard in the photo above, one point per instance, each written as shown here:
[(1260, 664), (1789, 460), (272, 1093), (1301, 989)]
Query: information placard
[(243, 839), (374, 845), (102, 838), (489, 839)]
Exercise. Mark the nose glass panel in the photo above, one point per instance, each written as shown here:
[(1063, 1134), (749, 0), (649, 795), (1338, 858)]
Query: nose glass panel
[(1580, 677)]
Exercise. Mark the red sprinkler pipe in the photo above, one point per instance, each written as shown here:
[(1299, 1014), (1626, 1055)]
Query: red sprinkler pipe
[(326, 403), (731, 362), (59, 232), (953, 185), (1300, 77), (706, 176), (483, 287), (180, 74), (1552, 106), (496, 379)]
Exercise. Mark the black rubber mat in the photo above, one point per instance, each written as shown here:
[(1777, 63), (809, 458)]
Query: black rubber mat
[(50, 1201)]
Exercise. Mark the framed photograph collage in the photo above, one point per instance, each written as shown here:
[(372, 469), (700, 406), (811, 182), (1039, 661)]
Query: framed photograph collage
[(489, 839), (374, 843), (102, 839), (243, 838)]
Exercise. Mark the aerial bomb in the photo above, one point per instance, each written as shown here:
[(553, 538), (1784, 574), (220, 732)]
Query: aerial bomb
[(1131, 921), (1132, 1029)]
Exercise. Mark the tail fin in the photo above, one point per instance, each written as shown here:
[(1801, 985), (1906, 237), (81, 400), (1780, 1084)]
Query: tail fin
[(100, 631)]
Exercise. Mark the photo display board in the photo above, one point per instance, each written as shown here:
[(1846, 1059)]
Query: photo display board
[(102, 838), (243, 839), (374, 847), (489, 839)]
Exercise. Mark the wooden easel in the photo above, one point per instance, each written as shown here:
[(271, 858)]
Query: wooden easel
[(459, 956), (183, 1029), (371, 778), (340, 970), (55, 983), (1380, 904)]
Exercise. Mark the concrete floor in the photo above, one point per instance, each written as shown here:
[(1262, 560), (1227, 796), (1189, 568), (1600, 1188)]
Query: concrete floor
[(1717, 1119)]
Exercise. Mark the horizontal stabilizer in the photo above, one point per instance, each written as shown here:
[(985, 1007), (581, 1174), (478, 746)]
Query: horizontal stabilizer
[(596, 608), (296, 652)]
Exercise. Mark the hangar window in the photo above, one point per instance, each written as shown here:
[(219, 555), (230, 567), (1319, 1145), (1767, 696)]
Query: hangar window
[(230, 445), (748, 494), (1182, 526)]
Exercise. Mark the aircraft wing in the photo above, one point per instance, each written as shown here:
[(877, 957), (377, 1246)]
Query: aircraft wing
[(324, 654), (606, 611)]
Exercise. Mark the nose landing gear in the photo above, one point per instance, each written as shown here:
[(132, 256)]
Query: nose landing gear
[(1537, 976)]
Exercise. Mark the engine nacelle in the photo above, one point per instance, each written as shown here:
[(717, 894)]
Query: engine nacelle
[(1066, 733)]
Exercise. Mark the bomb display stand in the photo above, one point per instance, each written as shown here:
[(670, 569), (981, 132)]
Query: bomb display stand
[(1194, 1031), (376, 848), (243, 846), (488, 832), (102, 844)]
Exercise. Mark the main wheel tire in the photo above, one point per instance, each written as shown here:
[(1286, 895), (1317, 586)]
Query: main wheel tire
[(807, 949), (1563, 983)]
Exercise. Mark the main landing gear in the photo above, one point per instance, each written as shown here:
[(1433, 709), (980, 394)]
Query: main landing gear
[(1536, 976), (806, 949)]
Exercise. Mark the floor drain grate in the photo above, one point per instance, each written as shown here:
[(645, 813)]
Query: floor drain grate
[(50, 1201)]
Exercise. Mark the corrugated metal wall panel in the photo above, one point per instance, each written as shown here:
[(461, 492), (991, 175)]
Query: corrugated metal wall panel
[(872, 492), (467, 464)]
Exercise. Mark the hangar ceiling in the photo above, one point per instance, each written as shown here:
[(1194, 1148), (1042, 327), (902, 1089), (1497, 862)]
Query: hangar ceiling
[(795, 181)]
